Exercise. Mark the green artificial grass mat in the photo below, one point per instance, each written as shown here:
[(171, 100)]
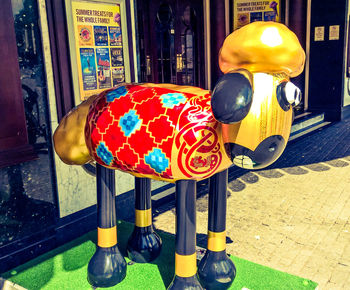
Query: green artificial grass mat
[(66, 268)]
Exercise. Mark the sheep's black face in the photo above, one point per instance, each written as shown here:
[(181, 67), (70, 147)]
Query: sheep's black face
[(263, 155), (232, 98)]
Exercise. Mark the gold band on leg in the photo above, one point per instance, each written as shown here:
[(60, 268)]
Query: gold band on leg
[(143, 218), (185, 265), (216, 241), (107, 237)]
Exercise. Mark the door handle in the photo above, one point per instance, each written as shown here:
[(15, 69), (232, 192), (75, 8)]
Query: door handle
[(148, 65), (179, 63)]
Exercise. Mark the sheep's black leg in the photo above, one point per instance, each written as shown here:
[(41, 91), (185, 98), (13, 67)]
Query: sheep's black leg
[(144, 244), (216, 270), (107, 267), (185, 247)]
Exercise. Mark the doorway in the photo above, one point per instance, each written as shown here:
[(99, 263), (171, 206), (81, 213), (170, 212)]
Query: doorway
[(171, 42)]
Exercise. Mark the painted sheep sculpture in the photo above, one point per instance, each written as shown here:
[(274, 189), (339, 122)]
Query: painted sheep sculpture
[(183, 134)]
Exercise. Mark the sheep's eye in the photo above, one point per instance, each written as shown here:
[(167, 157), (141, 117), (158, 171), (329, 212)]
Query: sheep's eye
[(288, 94)]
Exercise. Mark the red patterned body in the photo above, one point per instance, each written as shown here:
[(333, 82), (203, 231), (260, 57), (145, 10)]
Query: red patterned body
[(155, 132)]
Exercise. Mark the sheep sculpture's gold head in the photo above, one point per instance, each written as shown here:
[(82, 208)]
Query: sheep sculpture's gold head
[(254, 98)]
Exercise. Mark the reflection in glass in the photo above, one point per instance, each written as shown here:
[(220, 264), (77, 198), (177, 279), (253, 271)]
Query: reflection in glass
[(165, 44), (188, 42), (27, 191)]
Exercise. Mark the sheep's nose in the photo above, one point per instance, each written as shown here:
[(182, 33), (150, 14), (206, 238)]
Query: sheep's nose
[(266, 153)]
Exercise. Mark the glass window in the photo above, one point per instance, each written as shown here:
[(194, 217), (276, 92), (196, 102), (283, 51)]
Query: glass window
[(27, 190)]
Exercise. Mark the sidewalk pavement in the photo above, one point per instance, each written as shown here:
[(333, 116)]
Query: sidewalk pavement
[(294, 216)]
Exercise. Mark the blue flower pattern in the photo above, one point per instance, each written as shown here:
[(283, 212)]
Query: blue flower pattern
[(130, 122), (103, 152), (116, 94), (172, 99), (157, 160)]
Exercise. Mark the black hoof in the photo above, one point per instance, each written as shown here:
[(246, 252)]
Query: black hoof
[(188, 283), (144, 245), (216, 270), (107, 267)]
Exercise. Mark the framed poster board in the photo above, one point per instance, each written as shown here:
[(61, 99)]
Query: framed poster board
[(247, 11), (98, 44)]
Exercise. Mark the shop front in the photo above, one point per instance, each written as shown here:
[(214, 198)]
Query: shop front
[(55, 54)]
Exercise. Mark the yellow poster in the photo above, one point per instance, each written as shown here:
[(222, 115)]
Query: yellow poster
[(247, 11), (99, 47)]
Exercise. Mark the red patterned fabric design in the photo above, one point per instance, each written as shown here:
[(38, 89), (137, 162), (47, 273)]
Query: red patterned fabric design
[(154, 131)]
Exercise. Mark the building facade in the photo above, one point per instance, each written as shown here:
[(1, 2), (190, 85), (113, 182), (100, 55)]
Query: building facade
[(57, 53)]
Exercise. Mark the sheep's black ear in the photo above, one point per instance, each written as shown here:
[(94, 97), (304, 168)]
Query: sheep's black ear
[(231, 98)]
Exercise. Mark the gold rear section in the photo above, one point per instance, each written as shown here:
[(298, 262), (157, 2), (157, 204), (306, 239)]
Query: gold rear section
[(107, 237), (185, 265), (263, 47), (143, 218), (69, 137), (265, 118), (216, 241)]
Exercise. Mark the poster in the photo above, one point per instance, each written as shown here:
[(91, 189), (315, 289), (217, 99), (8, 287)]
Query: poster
[(118, 75), (247, 11), (103, 68), (99, 47), (101, 35), (115, 36), (319, 33), (334, 32), (117, 56), (88, 69), (85, 35)]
